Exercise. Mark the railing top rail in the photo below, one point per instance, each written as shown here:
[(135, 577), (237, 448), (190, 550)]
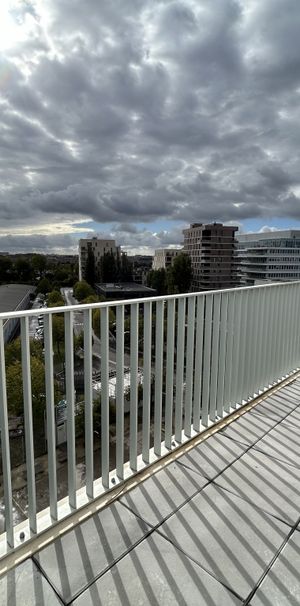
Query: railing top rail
[(80, 307)]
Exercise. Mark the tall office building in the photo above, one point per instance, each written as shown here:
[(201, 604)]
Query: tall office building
[(212, 249), (269, 257), (164, 257), (99, 248)]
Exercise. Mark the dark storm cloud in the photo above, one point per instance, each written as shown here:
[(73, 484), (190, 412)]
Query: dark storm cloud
[(137, 110)]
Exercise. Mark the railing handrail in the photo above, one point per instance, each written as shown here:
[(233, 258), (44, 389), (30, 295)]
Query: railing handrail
[(104, 304)]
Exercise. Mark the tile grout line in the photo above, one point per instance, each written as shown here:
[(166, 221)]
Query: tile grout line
[(271, 563)]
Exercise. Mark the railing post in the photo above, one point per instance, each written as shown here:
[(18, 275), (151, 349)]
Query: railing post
[(5, 451)]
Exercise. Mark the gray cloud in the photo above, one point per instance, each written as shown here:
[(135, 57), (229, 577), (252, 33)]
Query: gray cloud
[(138, 110)]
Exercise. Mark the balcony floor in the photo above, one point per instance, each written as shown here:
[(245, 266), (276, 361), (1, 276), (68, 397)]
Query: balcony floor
[(220, 526)]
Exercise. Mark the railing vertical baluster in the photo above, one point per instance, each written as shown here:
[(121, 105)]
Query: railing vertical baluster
[(236, 349), (271, 308), (263, 339), (70, 397), (229, 351), (120, 393), (241, 395), (104, 325), (169, 405), (28, 423), (295, 362), (159, 344), (5, 451), (279, 335), (214, 357), (206, 358), (147, 380), (189, 367), (180, 355), (248, 346), (134, 336), (198, 363), (222, 355), (88, 402), (259, 351), (50, 412)]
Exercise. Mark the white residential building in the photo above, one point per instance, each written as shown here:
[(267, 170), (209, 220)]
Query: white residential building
[(164, 257)]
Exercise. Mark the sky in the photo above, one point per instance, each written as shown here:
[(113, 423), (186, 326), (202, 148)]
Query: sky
[(131, 119)]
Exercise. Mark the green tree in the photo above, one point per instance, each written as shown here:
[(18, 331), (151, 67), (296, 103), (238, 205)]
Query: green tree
[(179, 275), (55, 299), (97, 321), (90, 275), (39, 263), (82, 290), (5, 269), (109, 271), (126, 269), (23, 270), (157, 278), (58, 331), (44, 286)]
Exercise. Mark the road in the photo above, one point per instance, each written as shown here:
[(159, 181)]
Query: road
[(68, 296)]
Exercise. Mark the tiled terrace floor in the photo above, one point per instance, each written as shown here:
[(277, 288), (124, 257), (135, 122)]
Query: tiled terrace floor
[(218, 527)]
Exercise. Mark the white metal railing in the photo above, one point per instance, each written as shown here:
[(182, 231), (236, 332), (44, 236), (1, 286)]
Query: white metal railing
[(210, 352)]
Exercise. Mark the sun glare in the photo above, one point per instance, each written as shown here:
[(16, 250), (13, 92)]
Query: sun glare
[(13, 25)]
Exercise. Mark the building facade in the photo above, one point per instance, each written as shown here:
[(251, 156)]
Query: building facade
[(269, 257), (14, 297), (99, 248), (164, 257), (212, 250)]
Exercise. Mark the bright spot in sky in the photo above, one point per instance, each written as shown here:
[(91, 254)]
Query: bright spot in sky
[(14, 23)]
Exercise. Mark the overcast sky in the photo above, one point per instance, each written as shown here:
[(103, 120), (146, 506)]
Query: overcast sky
[(135, 117)]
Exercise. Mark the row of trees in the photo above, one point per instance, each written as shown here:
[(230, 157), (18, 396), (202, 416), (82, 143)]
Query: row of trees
[(111, 268), (39, 270), (173, 280)]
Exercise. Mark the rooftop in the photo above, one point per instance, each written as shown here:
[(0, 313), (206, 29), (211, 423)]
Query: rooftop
[(219, 525), (11, 295)]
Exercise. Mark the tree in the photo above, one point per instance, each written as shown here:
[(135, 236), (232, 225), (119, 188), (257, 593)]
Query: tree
[(58, 331), (44, 286), (90, 275), (97, 321), (109, 268), (39, 263), (5, 269), (157, 279), (82, 290), (126, 269), (55, 299), (179, 275), (24, 270)]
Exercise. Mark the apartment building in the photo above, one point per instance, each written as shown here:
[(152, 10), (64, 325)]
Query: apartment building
[(269, 257), (164, 257), (98, 247), (212, 249)]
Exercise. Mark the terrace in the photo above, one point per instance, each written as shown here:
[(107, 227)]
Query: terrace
[(203, 506)]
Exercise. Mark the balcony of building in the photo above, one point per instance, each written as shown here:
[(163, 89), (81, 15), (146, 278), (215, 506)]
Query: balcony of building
[(205, 507)]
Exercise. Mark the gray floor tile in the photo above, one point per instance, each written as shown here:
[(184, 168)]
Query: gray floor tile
[(213, 455), (249, 428), (268, 483), (157, 573), (228, 536), (283, 443), (281, 586), (292, 391), (26, 586), (274, 408), (163, 492), (74, 560)]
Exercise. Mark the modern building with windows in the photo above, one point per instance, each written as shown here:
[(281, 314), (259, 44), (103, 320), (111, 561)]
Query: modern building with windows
[(164, 257), (99, 248), (212, 249), (269, 257)]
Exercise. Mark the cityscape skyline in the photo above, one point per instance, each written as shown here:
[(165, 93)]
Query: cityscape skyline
[(130, 120)]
